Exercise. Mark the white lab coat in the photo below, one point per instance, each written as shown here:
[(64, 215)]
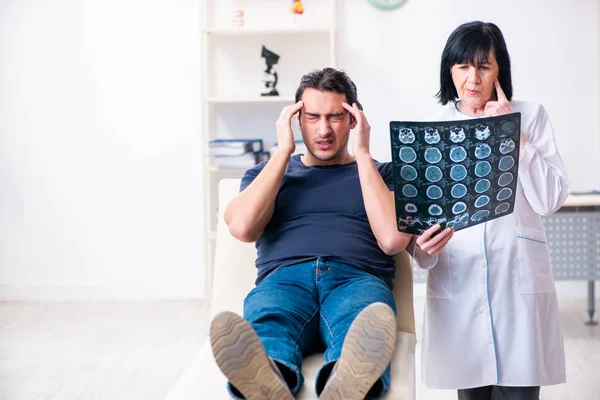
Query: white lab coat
[(491, 316)]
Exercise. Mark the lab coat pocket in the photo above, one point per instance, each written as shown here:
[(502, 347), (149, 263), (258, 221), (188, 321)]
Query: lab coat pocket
[(535, 271), (439, 278)]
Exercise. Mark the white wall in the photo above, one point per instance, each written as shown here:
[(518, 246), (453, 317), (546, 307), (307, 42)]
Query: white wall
[(394, 59), (100, 166), (100, 174)]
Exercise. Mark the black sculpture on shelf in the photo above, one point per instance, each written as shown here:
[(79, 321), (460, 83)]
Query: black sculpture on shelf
[(270, 78)]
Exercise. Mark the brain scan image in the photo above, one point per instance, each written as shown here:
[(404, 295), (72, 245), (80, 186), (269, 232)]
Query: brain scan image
[(508, 127), (410, 208), (506, 146), (458, 172), (457, 135), (433, 174), (409, 190), (505, 179), (408, 172), (433, 155), (432, 221), (432, 136), (482, 150), (479, 215), (410, 221), (504, 194), (482, 186), (482, 132), (506, 163), (482, 168), (406, 136), (408, 155), (458, 190), (502, 208), (436, 210), (457, 153), (482, 201), (434, 192), (459, 207), (460, 221), (461, 172)]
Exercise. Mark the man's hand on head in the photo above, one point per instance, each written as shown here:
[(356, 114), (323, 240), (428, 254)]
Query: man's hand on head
[(363, 130), (285, 135)]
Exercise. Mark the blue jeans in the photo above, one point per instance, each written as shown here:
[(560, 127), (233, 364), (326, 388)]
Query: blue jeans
[(308, 307)]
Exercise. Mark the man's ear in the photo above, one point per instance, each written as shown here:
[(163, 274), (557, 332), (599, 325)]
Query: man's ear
[(352, 121)]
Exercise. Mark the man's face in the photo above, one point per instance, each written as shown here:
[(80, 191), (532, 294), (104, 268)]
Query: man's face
[(325, 127)]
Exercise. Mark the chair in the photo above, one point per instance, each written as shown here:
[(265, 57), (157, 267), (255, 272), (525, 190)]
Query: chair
[(234, 276)]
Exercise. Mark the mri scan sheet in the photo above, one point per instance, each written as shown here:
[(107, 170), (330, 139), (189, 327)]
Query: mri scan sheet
[(454, 173)]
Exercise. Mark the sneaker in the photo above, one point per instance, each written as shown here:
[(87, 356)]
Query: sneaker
[(242, 358), (367, 351)]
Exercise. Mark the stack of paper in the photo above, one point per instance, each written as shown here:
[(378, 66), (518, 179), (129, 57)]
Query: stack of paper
[(236, 153)]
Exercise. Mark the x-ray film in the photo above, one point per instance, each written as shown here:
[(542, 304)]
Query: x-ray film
[(454, 173)]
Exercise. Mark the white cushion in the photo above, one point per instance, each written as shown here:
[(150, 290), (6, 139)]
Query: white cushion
[(234, 276), (204, 380)]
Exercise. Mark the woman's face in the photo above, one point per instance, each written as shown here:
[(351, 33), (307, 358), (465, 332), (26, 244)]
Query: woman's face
[(475, 84)]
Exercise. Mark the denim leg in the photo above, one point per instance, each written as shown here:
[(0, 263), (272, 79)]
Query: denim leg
[(283, 310), (344, 292)]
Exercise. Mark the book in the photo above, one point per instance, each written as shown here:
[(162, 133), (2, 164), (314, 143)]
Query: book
[(454, 173), (234, 147), (246, 160), (300, 147)]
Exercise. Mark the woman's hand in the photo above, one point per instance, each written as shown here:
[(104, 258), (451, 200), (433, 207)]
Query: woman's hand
[(435, 245), (499, 107)]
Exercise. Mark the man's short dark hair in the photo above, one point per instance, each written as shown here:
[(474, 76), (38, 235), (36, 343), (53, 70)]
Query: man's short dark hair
[(329, 80), (471, 43)]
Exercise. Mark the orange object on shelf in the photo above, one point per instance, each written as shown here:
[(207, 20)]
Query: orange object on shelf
[(297, 7)]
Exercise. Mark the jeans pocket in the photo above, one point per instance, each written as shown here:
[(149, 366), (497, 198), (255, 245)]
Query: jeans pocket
[(271, 273), (439, 278), (533, 256)]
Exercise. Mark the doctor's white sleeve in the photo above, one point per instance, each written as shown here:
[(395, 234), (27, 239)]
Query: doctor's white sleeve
[(541, 170), (424, 261)]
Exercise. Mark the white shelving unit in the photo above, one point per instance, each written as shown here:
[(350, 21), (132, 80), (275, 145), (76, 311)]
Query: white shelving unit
[(232, 78), (239, 100)]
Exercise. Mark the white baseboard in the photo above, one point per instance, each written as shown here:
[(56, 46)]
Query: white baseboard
[(25, 292), (29, 292)]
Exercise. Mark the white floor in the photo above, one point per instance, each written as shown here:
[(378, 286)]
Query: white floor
[(96, 350), (103, 350)]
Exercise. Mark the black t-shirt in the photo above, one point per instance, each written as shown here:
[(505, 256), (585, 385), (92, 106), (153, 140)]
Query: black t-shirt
[(319, 212)]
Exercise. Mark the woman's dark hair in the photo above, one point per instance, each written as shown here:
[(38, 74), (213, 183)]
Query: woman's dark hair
[(329, 80), (471, 43)]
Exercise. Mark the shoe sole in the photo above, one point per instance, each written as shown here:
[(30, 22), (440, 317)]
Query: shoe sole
[(242, 358), (367, 351)]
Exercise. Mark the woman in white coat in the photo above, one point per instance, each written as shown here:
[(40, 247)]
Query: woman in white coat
[(491, 327)]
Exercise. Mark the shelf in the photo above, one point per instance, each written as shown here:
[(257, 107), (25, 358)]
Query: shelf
[(257, 99), (210, 236), (266, 31), (231, 87)]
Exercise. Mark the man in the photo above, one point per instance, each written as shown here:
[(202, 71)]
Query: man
[(325, 231)]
